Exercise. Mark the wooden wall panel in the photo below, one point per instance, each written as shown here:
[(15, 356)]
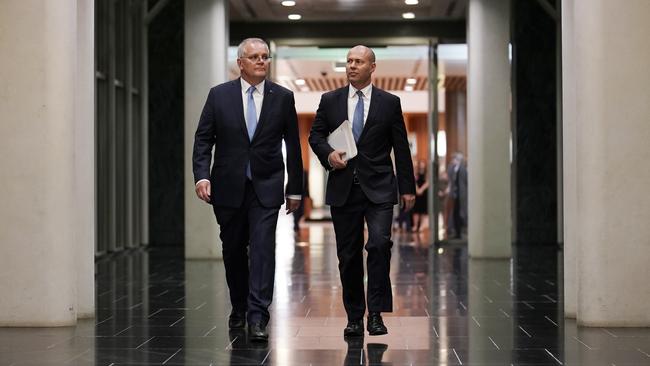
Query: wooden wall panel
[(417, 123), (305, 121)]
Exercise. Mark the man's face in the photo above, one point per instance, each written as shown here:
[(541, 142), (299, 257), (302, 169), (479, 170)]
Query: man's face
[(254, 63), (359, 67)]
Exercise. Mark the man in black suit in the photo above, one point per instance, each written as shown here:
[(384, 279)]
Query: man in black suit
[(364, 187), (245, 120)]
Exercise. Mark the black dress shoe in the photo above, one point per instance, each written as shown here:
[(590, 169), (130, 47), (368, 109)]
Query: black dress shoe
[(237, 320), (257, 332), (376, 324), (354, 328)]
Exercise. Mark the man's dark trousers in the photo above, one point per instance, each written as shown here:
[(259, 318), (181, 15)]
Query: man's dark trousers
[(252, 290), (349, 229)]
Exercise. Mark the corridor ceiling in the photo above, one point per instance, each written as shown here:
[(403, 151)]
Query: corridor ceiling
[(345, 10), (312, 69)]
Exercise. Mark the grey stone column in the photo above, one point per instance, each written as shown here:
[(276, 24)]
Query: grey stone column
[(612, 93), (206, 55), (85, 236), (569, 171), (40, 248), (488, 106)]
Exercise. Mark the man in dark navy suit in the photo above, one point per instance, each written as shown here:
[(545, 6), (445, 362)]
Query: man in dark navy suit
[(364, 187), (245, 120)]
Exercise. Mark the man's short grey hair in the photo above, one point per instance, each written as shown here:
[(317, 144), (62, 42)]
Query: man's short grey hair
[(240, 49)]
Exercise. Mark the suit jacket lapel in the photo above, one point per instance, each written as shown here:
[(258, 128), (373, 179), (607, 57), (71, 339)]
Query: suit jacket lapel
[(239, 105), (375, 100), (267, 104)]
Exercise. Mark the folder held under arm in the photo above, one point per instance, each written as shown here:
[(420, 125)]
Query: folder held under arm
[(343, 139)]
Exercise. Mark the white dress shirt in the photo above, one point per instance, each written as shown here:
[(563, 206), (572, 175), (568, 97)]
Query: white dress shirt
[(353, 98)]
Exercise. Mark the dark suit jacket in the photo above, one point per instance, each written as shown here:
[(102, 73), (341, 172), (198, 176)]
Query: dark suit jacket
[(384, 130), (223, 126)]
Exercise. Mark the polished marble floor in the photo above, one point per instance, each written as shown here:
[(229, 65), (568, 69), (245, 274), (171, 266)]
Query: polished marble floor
[(154, 308)]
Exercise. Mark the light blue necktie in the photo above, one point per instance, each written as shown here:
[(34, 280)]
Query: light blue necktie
[(251, 123), (357, 118), (251, 113)]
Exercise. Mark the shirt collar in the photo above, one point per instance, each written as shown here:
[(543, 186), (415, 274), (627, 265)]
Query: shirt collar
[(245, 85), (352, 91)]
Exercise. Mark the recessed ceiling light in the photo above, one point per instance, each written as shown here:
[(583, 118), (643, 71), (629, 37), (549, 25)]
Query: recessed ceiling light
[(339, 66), (300, 81), (411, 81), (408, 16), (408, 88), (411, 2), (295, 16), (292, 3)]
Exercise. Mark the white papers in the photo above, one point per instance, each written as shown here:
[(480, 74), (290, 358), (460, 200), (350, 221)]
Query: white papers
[(343, 139)]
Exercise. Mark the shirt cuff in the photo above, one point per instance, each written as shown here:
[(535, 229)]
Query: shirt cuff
[(294, 197), (201, 180)]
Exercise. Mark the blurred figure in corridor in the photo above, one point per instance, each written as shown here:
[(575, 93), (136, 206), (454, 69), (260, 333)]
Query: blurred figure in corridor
[(457, 191), (421, 208)]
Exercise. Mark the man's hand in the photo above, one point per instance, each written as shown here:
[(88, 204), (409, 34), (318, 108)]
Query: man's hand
[(336, 159), (203, 190), (408, 201), (292, 205)]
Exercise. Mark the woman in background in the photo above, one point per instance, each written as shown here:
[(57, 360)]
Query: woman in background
[(420, 210)]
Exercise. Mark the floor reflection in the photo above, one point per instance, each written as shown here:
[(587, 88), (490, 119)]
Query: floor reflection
[(155, 308)]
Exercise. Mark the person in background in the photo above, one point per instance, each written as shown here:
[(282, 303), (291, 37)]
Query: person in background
[(441, 196), (403, 220), (457, 191), (421, 208)]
